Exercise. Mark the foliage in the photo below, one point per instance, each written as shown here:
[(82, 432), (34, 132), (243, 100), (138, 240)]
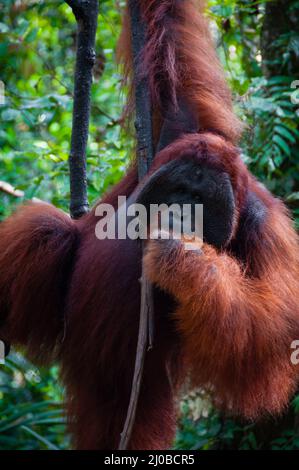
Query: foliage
[(203, 428), (31, 407), (272, 147), (37, 47)]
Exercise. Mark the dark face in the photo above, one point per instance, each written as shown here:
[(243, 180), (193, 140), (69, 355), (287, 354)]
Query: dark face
[(186, 181)]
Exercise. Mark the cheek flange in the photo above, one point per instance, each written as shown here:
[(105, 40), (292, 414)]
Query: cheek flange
[(185, 181)]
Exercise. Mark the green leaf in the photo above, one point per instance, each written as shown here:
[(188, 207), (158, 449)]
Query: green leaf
[(279, 80), (10, 114), (282, 144), (285, 133), (291, 198), (42, 439), (3, 28)]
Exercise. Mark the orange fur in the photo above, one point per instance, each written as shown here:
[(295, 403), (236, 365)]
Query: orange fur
[(180, 61), (37, 247), (237, 328), (66, 295)]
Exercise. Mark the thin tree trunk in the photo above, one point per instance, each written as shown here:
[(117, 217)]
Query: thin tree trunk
[(145, 156), (86, 13)]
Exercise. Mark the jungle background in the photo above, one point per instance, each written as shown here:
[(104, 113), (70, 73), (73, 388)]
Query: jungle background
[(258, 43)]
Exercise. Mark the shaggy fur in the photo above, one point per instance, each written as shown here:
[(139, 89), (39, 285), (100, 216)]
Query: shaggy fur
[(180, 61)]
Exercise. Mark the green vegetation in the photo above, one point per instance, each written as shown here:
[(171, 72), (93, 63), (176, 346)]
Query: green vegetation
[(260, 52)]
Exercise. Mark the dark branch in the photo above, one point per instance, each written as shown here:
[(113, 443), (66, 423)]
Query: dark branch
[(73, 3), (143, 126), (143, 122), (86, 13), (146, 299), (81, 8)]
